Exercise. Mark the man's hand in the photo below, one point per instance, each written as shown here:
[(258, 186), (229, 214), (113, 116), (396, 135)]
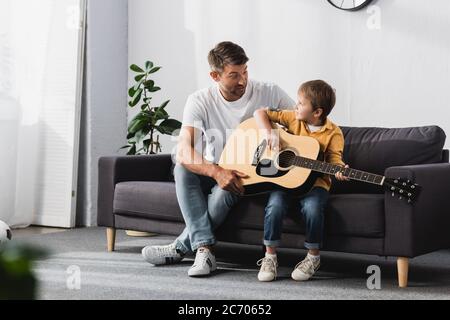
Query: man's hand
[(340, 177), (230, 180)]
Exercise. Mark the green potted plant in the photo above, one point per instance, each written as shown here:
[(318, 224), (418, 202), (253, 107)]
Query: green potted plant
[(151, 119)]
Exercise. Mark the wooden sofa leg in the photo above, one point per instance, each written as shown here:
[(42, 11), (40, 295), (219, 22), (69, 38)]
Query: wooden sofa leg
[(402, 269), (110, 238)]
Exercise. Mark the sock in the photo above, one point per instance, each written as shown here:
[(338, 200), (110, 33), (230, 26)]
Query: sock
[(179, 251), (314, 259)]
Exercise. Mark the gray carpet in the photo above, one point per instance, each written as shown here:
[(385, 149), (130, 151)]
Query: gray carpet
[(123, 274)]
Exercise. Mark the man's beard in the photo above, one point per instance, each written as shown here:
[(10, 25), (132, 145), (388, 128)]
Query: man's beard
[(238, 91)]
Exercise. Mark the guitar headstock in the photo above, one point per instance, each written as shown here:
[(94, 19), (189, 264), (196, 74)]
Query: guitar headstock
[(403, 188)]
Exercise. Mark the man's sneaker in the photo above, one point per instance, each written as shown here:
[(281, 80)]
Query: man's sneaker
[(204, 264), (305, 269), (268, 270), (159, 255)]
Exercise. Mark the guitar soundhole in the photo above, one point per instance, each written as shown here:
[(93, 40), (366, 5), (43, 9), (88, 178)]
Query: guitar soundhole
[(286, 159)]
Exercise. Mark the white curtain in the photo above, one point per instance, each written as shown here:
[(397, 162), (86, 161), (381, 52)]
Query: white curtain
[(34, 83)]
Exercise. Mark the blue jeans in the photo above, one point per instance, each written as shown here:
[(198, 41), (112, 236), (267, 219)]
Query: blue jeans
[(312, 208), (204, 206)]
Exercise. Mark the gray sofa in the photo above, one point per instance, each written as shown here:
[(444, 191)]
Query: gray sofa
[(138, 193)]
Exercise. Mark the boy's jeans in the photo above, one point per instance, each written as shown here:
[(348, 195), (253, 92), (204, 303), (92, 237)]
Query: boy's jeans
[(312, 205), (202, 212)]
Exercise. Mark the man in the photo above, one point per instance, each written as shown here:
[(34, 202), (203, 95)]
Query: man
[(205, 191)]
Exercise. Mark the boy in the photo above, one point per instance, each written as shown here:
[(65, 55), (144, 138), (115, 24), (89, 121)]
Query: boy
[(316, 99)]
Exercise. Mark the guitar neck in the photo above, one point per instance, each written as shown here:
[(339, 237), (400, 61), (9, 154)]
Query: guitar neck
[(328, 168)]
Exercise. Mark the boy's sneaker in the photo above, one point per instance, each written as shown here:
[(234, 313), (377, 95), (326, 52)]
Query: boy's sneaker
[(204, 264), (159, 255), (268, 270), (305, 269)]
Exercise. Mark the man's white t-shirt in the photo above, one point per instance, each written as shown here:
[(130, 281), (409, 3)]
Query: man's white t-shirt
[(216, 117)]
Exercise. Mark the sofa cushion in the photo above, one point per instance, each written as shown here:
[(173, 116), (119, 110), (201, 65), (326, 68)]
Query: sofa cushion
[(346, 214), (359, 215), (147, 199), (375, 149)]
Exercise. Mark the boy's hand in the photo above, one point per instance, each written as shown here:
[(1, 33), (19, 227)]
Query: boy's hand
[(340, 177), (273, 140)]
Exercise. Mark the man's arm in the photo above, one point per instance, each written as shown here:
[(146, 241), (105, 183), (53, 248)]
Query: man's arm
[(189, 158)]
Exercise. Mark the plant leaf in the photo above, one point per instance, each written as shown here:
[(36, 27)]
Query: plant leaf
[(154, 89), (139, 77), (136, 98), (136, 125), (149, 84), (135, 68), (148, 65), (164, 104), (160, 113), (138, 84), (168, 126), (132, 150), (153, 70), (131, 92)]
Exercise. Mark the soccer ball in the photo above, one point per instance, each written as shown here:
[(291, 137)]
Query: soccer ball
[(5, 233)]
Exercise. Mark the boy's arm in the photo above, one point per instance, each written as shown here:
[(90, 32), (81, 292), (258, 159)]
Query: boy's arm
[(263, 121), (335, 149), (283, 117), (334, 154)]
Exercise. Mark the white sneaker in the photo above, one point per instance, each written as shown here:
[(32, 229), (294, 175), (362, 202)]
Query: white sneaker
[(159, 255), (204, 264), (268, 271), (305, 269)]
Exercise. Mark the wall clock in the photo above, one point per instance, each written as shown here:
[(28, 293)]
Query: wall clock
[(349, 5)]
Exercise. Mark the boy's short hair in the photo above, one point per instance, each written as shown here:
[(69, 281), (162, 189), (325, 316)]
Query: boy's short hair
[(321, 95), (225, 53)]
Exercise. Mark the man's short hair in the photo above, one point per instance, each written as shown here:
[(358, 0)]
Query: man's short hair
[(321, 95), (226, 53)]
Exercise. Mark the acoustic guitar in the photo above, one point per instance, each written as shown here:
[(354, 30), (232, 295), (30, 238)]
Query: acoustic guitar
[(295, 167)]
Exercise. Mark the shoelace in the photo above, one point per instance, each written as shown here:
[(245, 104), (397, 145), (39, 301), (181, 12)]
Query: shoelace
[(305, 266), (200, 258), (267, 264), (164, 251)]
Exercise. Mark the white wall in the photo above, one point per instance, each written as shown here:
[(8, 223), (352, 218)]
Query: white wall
[(395, 76), (103, 124)]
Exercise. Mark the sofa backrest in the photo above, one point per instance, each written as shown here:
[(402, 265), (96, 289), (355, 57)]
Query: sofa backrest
[(375, 149)]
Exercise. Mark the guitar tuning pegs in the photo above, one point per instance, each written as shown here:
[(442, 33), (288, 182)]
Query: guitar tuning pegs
[(404, 183), (409, 194), (400, 197), (408, 181), (393, 194), (396, 181), (401, 191), (413, 186), (409, 201), (392, 188)]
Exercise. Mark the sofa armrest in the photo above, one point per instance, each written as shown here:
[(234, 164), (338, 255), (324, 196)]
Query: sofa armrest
[(115, 169), (423, 226)]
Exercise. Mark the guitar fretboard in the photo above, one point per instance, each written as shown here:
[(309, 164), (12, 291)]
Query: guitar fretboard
[(332, 169)]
